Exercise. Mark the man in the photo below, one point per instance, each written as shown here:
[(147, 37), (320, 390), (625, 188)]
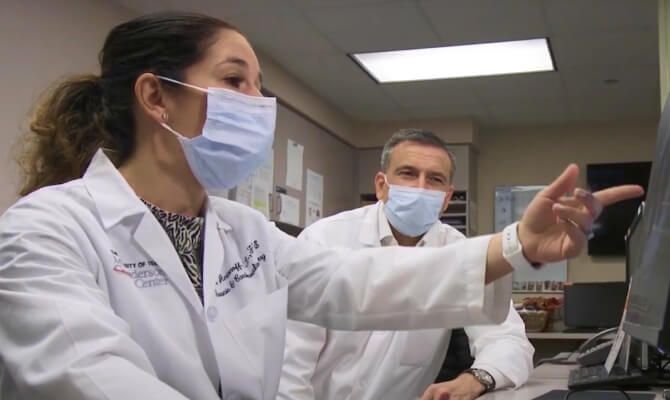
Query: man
[(413, 190)]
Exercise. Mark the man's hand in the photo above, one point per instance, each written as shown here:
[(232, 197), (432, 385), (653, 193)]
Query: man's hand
[(464, 387), (556, 226)]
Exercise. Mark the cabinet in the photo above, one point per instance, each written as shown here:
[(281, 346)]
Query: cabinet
[(457, 213)]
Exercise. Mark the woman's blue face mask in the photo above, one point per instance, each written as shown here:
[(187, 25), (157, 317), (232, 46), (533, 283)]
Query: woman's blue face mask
[(236, 139)]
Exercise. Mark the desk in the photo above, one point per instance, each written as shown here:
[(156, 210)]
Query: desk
[(543, 379), (552, 342), (548, 344)]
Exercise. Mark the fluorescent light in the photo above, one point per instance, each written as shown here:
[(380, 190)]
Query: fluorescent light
[(484, 59)]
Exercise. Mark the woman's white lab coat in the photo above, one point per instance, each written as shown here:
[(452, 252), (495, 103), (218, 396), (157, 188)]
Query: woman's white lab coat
[(95, 303)]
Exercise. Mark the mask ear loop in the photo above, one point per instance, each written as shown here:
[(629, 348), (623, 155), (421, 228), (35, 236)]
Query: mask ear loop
[(165, 115), (188, 85), (169, 129), (165, 118)]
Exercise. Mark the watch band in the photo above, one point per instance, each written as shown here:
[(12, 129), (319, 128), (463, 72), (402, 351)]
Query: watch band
[(483, 377), (512, 249)]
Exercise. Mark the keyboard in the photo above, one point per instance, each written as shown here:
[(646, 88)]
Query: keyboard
[(597, 377)]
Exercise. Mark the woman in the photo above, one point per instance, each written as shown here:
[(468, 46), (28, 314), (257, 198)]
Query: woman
[(120, 278)]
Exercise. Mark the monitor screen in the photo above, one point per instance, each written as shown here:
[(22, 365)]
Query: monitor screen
[(610, 228), (647, 315)]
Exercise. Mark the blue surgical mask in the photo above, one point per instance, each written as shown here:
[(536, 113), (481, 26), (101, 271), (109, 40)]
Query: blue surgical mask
[(413, 211), (236, 139)]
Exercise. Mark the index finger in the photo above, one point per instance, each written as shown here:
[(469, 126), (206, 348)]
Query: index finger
[(618, 193), (565, 183)]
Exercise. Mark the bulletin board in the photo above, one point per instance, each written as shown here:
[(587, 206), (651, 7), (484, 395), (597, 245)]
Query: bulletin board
[(310, 175)]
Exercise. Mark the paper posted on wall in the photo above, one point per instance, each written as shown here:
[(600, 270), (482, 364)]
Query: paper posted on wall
[(290, 209), (314, 206)]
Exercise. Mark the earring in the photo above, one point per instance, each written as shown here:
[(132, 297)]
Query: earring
[(165, 116)]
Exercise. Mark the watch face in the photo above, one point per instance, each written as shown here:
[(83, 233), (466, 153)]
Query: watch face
[(484, 378)]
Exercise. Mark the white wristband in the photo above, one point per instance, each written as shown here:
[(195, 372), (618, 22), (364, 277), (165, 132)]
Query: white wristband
[(512, 249)]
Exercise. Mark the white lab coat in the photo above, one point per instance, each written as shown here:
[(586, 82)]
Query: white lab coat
[(95, 303), (338, 365)]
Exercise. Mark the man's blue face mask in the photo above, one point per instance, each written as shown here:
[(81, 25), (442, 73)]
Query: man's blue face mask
[(413, 211), (236, 139)]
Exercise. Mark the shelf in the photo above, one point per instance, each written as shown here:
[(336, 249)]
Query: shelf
[(458, 202), (515, 291), (448, 214)]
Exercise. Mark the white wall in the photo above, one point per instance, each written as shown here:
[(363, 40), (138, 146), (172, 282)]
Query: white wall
[(41, 41)]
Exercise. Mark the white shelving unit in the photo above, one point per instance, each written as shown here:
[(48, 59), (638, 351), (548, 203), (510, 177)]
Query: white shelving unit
[(457, 214)]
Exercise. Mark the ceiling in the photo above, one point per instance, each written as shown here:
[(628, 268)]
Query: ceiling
[(592, 41)]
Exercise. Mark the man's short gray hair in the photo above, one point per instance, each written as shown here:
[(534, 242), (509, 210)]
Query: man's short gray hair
[(420, 136)]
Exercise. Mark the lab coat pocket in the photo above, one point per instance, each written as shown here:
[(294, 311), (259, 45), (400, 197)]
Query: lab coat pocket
[(261, 329), (421, 347)]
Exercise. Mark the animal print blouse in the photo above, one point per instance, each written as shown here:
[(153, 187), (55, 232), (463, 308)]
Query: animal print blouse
[(186, 236)]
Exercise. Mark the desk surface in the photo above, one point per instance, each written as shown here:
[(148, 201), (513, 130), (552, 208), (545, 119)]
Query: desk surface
[(543, 379), (560, 335)]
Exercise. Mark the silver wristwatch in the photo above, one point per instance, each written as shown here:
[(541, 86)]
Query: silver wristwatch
[(482, 377)]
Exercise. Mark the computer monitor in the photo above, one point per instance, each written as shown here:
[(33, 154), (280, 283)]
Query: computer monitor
[(647, 315), (634, 243)]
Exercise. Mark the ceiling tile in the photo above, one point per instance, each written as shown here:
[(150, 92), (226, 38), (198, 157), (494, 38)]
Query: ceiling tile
[(397, 25), (585, 82), (591, 40), (600, 15), (546, 111), (475, 21), (338, 70), (605, 48), (429, 99), (339, 80), (366, 104), (283, 31), (524, 88), (218, 8), (314, 4)]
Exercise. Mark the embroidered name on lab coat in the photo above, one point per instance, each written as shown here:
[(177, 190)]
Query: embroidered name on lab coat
[(246, 268), (146, 274)]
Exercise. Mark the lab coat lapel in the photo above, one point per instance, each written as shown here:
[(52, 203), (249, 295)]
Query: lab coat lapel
[(369, 233), (116, 201), (152, 239), (213, 255)]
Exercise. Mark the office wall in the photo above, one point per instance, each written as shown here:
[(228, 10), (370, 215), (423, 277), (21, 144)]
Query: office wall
[(41, 41), (454, 131), (324, 153), (545, 152)]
